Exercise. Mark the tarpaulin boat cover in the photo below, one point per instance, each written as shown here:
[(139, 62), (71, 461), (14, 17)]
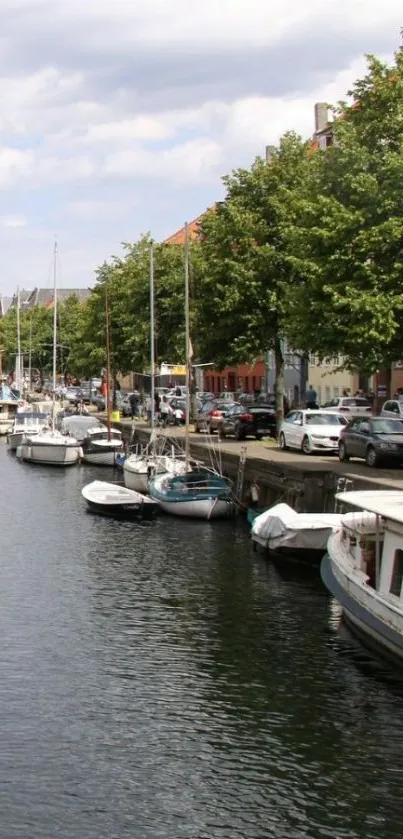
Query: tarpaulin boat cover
[(281, 527)]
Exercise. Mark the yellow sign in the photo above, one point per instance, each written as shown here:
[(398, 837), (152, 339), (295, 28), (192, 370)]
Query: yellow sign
[(179, 370)]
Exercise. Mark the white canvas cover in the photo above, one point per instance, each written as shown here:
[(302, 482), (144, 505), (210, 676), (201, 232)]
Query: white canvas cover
[(281, 527)]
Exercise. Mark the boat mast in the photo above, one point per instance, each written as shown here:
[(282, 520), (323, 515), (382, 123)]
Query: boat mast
[(18, 359), (187, 339), (108, 364), (54, 332), (152, 340)]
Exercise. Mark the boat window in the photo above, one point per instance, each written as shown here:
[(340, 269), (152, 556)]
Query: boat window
[(397, 575)]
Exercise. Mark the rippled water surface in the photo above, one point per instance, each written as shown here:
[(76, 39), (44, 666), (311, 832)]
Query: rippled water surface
[(161, 680)]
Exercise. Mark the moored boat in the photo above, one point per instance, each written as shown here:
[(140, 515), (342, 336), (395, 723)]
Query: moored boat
[(281, 529), (139, 467), (363, 568), (99, 445), (8, 409), (200, 494), (49, 448), (108, 499), (26, 423)]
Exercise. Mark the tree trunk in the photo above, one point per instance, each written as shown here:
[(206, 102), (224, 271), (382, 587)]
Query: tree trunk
[(279, 382), (303, 376)]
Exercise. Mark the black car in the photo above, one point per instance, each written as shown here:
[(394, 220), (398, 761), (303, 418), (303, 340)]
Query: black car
[(375, 439), (248, 421)]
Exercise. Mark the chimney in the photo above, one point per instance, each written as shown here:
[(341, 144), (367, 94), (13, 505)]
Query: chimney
[(321, 116), (270, 150)]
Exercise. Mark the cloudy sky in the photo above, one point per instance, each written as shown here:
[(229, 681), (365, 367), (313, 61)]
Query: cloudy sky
[(119, 117)]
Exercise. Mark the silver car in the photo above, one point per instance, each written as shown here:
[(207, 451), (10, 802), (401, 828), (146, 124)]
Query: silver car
[(392, 408), (349, 406)]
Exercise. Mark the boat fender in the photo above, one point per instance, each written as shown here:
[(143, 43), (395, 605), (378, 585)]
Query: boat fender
[(255, 492)]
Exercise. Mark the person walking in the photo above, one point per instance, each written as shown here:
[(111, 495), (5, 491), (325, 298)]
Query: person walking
[(134, 404), (311, 397), (148, 406), (164, 411)]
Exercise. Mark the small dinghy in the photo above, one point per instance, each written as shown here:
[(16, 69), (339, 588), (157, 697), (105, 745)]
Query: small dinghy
[(109, 499), (282, 530)]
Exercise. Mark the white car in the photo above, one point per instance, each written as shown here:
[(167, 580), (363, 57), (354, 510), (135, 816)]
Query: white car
[(392, 408), (311, 431), (352, 406)]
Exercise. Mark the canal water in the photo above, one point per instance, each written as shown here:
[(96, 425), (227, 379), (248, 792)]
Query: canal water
[(161, 680)]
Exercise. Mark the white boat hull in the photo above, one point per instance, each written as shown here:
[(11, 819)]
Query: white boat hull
[(375, 619), (206, 508), (137, 481), (52, 455), (101, 458)]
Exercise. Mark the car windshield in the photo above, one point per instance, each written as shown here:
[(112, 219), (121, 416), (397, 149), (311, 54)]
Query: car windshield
[(356, 402), (324, 419), (387, 426)]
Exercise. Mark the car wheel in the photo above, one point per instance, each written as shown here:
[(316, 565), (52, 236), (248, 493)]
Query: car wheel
[(221, 432), (283, 444), (197, 429), (210, 429), (259, 436), (239, 434), (343, 456), (306, 446), (371, 457)]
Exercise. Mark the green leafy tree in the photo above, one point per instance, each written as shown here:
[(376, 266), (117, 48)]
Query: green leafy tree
[(348, 245), (126, 281), (243, 270)]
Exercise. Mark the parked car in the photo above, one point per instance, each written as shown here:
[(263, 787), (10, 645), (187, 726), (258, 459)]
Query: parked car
[(375, 439), (311, 431), (392, 408), (210, 413), (248, 421), (227, 396), (73, 395), (100, 403), (353, 405)]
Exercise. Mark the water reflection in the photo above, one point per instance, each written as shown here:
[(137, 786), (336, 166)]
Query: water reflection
[(161, 680)]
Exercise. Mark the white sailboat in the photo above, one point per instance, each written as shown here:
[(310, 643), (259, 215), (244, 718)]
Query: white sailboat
[(197, 493), (50, 447), (139, 466)]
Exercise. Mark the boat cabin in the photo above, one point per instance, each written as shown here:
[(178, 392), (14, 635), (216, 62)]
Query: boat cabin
[(360, 533), (373, 539), (8, 411)]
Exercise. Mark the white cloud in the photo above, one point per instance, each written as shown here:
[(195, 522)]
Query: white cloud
[(119, 117), (13, 221)]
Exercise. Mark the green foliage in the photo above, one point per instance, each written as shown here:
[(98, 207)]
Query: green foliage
[(348, 246), (243, 269), (126, 281), (36, 327)]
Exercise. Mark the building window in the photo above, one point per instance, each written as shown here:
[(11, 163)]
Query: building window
[(397, 575), (336, 391), (327, 394), (246, 384), (253, 383), (319, 395)]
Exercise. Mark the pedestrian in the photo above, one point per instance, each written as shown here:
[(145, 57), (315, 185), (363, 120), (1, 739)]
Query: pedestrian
[(134, 404), (164, 411), (310, 398), (148, 405)]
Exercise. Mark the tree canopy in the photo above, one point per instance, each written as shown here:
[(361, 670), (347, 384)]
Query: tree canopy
[(348, 243)]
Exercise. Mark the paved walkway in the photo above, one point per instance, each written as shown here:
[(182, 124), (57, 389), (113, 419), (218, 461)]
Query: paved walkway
[(390, 478)]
